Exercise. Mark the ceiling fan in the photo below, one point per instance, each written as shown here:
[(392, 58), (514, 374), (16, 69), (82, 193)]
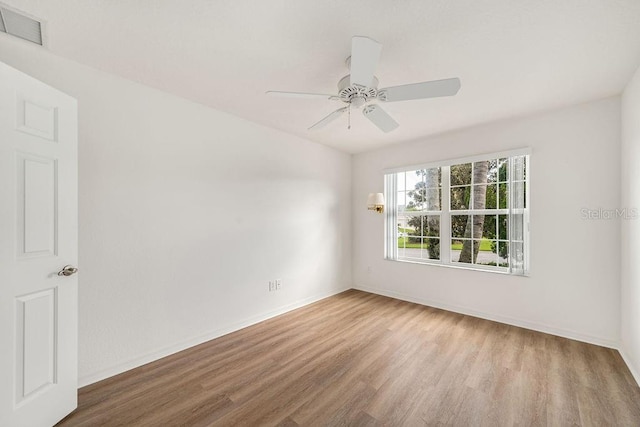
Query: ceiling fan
[(360, 88)]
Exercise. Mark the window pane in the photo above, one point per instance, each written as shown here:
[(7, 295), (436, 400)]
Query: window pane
[(517, 227), (415, 246), (503, 227), (414, 227), (421, 237), (489, 228), (432, 202), (422, 226), (401, 252), (484, 196), (518, 195), (480, 173), (492, 173), (400, 177), (433, 178), (431, 248), (474, 251), (401, 201), (402, 235), (416, 197), (503, 254), (431, 226), (423, 190), (518, 168), (487, 252), (402, 226), (503, 195), (456, 249), (517, 255), (422, 244), (503, 171), (461, 174), (460, 197), (459, 225), (413, 179), (463, 250)]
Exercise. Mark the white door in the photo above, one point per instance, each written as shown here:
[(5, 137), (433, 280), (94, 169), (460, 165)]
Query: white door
[(38, 237)]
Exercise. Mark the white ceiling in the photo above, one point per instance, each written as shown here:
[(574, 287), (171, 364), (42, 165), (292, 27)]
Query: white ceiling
[(513, 57)]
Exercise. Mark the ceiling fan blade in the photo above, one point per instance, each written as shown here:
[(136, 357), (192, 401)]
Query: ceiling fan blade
[(365, 53), (432, 89), (380, 118), (300, 95), (331, 117)]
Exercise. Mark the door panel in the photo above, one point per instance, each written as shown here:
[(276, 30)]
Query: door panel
[(35, 349), (38, 237), (35, 119), (36, 206)]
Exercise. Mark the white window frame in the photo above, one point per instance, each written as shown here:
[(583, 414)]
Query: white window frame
[(445, 213)]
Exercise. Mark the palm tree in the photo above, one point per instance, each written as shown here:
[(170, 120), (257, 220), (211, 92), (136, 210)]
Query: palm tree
[(475, 223)]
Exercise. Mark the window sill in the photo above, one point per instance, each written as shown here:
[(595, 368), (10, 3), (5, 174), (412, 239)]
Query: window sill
[(485, 269)]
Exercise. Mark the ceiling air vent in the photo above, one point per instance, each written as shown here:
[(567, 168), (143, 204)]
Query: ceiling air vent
[(18, 25)]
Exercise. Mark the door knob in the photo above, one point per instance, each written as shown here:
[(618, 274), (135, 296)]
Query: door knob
[(67, 270)]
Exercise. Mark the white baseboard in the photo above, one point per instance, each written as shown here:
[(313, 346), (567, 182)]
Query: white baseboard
[(632, 369), (153, 356), (497, 318)]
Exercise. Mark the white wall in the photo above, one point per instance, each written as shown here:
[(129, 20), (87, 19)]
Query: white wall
[(573, 289), (630, 252), (185, 215)]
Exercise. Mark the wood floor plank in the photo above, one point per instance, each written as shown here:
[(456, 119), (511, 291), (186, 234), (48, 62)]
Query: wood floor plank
[(361, 359)]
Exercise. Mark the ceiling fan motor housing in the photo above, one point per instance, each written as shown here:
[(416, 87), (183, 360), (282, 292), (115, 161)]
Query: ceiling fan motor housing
[(356, 95)]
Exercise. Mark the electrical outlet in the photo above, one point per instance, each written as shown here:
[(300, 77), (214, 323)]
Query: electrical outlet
[(272, 286), (278, 284)]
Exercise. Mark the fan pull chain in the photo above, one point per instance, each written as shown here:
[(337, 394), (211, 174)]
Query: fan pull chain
[(349, 118)]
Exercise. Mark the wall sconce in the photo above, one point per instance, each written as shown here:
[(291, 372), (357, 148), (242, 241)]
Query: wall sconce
[(375, 202)]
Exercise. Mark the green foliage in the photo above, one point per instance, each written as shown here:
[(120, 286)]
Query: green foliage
[(460, 196), (485, 245), (497, 195), (410, 243), (423, 228)]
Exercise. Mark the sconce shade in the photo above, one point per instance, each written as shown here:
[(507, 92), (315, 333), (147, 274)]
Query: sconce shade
[(375, 202)]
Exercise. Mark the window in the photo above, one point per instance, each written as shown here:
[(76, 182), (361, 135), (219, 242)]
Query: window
[(470, 213)]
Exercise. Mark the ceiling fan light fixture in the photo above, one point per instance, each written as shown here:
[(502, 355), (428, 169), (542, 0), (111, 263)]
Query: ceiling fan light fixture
[(357, 101)]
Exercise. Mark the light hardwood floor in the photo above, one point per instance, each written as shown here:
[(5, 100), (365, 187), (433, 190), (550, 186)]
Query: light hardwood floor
[(362, 359)]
